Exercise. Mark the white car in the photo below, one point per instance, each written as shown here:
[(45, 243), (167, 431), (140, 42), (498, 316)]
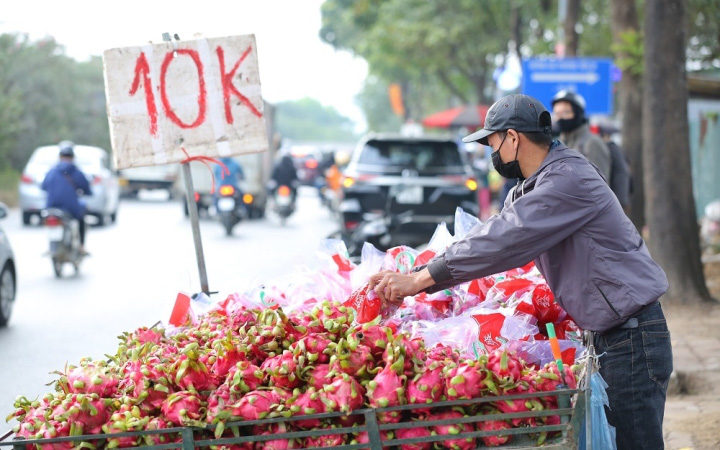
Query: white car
[(7, 274), (94, 162)]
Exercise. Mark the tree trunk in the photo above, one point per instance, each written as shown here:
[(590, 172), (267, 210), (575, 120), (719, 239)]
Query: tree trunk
[(623, 19), (670, 208), (571, 19)]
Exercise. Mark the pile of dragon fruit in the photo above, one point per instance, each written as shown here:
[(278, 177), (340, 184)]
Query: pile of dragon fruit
[(234, 364), (305, 344)]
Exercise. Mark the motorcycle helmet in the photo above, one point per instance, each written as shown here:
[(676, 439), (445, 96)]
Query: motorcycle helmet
[(571, 97), (67, 148)]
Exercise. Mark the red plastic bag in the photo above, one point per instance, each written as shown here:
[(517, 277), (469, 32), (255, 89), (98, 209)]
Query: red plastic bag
[(366, 304)]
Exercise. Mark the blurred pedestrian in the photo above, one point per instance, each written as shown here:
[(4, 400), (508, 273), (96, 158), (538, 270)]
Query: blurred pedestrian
[(620, 175), (572, 124)]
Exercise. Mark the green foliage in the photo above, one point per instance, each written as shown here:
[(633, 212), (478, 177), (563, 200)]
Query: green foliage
[(703, 46), (632, 48), (309, 120), (47, 97), (375, 102)]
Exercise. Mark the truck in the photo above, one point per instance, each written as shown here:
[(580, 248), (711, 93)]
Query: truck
[(160, 177), (257, 168)]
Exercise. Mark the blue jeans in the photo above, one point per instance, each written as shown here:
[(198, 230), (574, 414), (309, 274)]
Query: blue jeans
[(636, 363)]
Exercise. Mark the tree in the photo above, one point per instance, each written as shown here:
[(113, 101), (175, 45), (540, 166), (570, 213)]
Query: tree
[(627, 46), (670, 207), (308, 120)]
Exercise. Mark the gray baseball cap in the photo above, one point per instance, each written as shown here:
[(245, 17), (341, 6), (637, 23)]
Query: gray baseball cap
[(519, 112)]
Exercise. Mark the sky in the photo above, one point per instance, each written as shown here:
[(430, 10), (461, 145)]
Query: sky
[(293, 62)]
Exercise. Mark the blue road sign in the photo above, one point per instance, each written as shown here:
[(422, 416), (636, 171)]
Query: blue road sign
[(590, 77)]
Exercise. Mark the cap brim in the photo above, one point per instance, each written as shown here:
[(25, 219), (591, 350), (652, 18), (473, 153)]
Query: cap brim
[(479, 136)]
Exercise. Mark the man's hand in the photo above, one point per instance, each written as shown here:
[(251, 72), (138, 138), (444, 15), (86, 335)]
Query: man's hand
[(392, 287)]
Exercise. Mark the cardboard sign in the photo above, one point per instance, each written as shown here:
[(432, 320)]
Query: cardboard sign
[(200, 95)]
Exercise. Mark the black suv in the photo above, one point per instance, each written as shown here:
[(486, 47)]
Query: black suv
[(421, 179)]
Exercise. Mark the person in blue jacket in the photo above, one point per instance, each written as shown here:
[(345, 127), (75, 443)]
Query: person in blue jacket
[(65, 183), (233, 178), (563, 216)]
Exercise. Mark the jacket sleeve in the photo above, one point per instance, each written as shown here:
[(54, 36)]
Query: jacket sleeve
[(559, 205)]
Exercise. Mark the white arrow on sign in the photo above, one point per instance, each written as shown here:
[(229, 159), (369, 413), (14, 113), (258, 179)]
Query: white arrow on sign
[(565, 77)]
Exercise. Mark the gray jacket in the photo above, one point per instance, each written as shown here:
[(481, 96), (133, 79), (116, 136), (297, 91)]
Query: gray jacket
[(566, 219), (591, 146)]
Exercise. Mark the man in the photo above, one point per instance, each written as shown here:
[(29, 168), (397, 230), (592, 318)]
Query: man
[(232, 176), (564, 216), (620, 179), (569, 113), (64, 184)]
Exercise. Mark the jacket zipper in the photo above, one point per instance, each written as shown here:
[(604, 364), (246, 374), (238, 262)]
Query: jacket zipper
[(606, 299)]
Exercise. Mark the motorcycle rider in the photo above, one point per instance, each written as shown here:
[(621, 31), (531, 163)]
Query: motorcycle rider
[(285, 174), (64, 184), (232, 176)]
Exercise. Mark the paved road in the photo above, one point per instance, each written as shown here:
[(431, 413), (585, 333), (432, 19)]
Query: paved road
[(135, 271)]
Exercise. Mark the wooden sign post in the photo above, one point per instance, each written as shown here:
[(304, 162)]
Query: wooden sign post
[(179, 101)]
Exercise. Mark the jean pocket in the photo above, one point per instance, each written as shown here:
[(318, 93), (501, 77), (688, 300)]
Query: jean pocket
[(658, 352), (615, 339)]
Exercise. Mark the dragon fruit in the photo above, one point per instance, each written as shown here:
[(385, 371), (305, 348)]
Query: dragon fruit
[(158, 423), (282, 370), (494, 425), (467, 380), (414, 433), (388, 389), (145, 381), (505, 367), (352, 359), (244, 377), (48, 430), (143, 335), (363, 438), (411, 350), (453, 429), (315, 347), (276, 444), (373, 335), (442, 352), (258, 404), (307, 403), (427, 386), (326, 440), (87, 411), (190, 371), (89, 378), (318, 376), (344, 394), (183, 408), (127, 418)]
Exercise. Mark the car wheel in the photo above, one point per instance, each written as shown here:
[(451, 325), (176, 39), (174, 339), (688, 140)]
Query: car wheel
[(113, 217), (26, 218), (101, 220), (7, 294)]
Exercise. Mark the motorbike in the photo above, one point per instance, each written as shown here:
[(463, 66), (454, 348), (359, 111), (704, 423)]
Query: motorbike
[(64, 235), (283, 202), (231, 206), (381, 228)]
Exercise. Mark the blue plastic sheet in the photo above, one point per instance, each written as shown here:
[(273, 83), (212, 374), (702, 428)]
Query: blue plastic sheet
[(603, 434)]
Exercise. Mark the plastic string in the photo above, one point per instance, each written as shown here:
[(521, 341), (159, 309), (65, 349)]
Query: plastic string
[(207, 160)]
